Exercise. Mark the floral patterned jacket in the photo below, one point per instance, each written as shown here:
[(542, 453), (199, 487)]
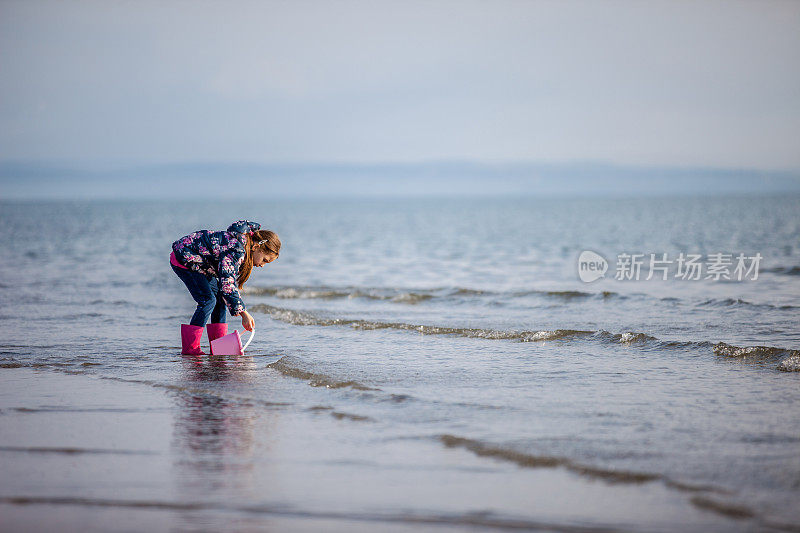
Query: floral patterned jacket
[(218, 254)]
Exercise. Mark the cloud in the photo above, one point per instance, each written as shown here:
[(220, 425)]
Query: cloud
[(630, 82)]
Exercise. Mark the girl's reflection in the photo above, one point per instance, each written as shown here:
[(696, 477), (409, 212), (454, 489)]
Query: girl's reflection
[(213, 430)]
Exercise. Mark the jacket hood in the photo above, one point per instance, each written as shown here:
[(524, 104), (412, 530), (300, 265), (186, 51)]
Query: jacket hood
[(244, 226)]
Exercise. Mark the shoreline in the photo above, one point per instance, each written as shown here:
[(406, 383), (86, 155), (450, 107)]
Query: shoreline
[(100, 454)]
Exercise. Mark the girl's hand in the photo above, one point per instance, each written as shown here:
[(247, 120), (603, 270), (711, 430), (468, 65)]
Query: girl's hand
[(247, 321)]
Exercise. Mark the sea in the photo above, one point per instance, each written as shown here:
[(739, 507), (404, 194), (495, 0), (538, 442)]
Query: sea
[(418, 363)]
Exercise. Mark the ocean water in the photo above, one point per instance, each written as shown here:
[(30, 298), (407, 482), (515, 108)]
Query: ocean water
[(416, 363)]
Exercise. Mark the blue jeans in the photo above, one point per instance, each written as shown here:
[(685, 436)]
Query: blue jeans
[(206, 293)]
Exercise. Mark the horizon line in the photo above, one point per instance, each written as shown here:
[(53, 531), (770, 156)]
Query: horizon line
[(116, 165)]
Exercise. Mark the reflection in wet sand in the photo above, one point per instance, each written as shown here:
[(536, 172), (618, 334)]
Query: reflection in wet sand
[(213, 439)]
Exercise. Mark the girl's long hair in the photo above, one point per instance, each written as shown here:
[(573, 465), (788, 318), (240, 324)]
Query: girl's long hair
[(272, 244)]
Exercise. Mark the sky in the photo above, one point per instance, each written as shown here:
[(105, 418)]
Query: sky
[(682, 84)]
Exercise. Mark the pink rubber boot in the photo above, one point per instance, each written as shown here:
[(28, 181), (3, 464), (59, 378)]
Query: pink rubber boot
[(215, 331), (190, 339)]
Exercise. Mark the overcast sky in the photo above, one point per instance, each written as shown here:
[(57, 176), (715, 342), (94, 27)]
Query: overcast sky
[(694, 83)]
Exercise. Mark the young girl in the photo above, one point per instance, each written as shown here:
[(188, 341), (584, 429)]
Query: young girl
[(212, 265)]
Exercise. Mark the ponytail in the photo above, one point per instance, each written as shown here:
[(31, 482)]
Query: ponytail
[(262, 239)]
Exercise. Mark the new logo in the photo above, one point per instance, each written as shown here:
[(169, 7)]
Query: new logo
[(591, 266)]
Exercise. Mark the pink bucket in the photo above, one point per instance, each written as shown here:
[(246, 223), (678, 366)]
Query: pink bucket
[(230, 344)]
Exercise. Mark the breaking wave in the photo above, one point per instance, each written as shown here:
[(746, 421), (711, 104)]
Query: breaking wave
[(786, 359), (462, 294), (409, 296), (330, 293), (300, 318)]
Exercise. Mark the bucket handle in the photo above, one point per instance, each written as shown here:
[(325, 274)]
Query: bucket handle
[(252, 332)]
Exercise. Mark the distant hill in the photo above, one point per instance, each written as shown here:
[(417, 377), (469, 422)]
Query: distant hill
[(21, 180)]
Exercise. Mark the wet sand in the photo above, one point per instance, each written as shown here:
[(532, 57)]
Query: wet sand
[(86, 453)]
